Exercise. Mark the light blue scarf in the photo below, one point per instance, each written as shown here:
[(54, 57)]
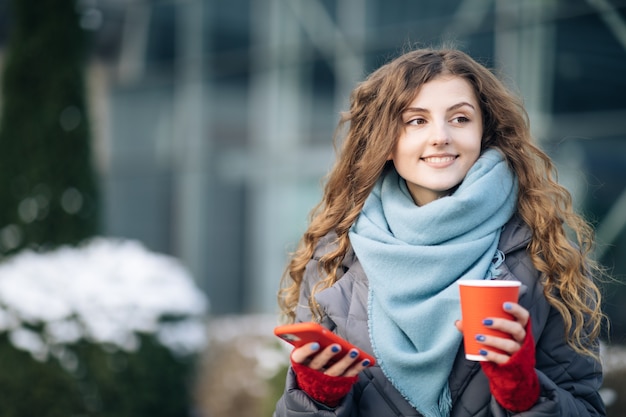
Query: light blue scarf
[(413, 257)]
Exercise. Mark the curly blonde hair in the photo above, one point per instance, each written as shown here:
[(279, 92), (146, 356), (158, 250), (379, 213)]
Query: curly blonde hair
[(374, 125)]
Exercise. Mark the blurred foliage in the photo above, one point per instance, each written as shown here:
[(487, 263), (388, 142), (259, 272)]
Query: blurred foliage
[(614, 381), (150, 382), (48, 187), (243, 370), (276, 387)]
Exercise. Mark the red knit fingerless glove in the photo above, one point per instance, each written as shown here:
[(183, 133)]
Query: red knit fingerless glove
[(328, 390), (515, 384)]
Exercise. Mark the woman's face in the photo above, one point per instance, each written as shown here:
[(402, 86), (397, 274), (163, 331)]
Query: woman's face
[(441, 138)]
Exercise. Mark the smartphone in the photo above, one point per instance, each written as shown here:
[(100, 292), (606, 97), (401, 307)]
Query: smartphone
[(299, 334)]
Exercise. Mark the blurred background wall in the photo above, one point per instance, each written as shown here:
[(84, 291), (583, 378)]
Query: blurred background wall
[(213, 120)]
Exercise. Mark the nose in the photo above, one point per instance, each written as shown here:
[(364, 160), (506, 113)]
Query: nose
[(440, 134)]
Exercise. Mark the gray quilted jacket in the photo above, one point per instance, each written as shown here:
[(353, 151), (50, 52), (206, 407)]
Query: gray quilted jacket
[(569, 381)]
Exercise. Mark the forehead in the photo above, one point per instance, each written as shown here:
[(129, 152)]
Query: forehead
[(445, 90)]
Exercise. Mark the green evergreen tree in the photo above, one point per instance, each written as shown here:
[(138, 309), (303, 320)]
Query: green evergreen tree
[(48, 188)]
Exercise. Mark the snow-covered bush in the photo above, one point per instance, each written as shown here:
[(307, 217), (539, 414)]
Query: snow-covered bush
[(112, 318)]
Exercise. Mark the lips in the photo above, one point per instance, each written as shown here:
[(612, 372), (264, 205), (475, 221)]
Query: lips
[(439, 159)]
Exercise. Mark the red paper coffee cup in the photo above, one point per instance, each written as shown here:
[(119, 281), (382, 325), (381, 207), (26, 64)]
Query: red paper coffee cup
[(481, 299)]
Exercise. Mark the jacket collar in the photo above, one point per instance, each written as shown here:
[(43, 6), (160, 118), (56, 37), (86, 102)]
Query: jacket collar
[(515, 235)]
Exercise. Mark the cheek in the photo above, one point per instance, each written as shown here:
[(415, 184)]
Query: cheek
[(408, 144), (476, 153), (396, 149), (474, 145)]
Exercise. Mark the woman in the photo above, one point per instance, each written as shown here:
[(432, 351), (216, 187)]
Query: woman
[(438, 181)]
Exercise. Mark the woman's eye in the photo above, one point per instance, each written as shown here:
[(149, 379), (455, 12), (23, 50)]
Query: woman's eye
[(460, 119), (418, 121)]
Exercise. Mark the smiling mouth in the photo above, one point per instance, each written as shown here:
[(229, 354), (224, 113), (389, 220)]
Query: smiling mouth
[(439, 159)]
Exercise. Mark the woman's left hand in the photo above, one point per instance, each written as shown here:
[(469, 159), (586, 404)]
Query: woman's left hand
[(516, 328)]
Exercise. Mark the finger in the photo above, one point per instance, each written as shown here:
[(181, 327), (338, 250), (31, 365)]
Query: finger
[(459, 325), (341, 367), (495, 357), (520, 313), (506, 345), (358, 367), (514, 328), (320, 361), (304, 352)]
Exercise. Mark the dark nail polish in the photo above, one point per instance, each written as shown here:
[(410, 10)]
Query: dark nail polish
[(482, 352), (315, 346), (480, 337), (354, 354), (487, 322), (366, 362), (335, 348), (508, 306)]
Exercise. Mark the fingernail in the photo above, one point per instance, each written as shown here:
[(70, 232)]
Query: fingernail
[(335, 348), (315, 346), (508, 306), (353, 354), (482, 352), (480, 337), (366, 362), (487, 322)]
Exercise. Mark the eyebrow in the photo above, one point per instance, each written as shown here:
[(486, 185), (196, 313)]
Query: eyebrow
[(451, 108)]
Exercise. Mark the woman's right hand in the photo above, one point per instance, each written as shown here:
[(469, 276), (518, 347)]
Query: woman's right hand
[(311, 356)]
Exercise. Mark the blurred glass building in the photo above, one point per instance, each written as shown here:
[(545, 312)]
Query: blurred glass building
[(214, 119)]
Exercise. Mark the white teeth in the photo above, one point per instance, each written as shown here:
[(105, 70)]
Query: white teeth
[(438, 160)]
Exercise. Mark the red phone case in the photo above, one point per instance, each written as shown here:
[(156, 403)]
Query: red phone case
[(299, 334)]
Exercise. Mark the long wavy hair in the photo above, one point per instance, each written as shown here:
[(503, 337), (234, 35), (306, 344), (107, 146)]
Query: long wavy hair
[(561, 239)]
